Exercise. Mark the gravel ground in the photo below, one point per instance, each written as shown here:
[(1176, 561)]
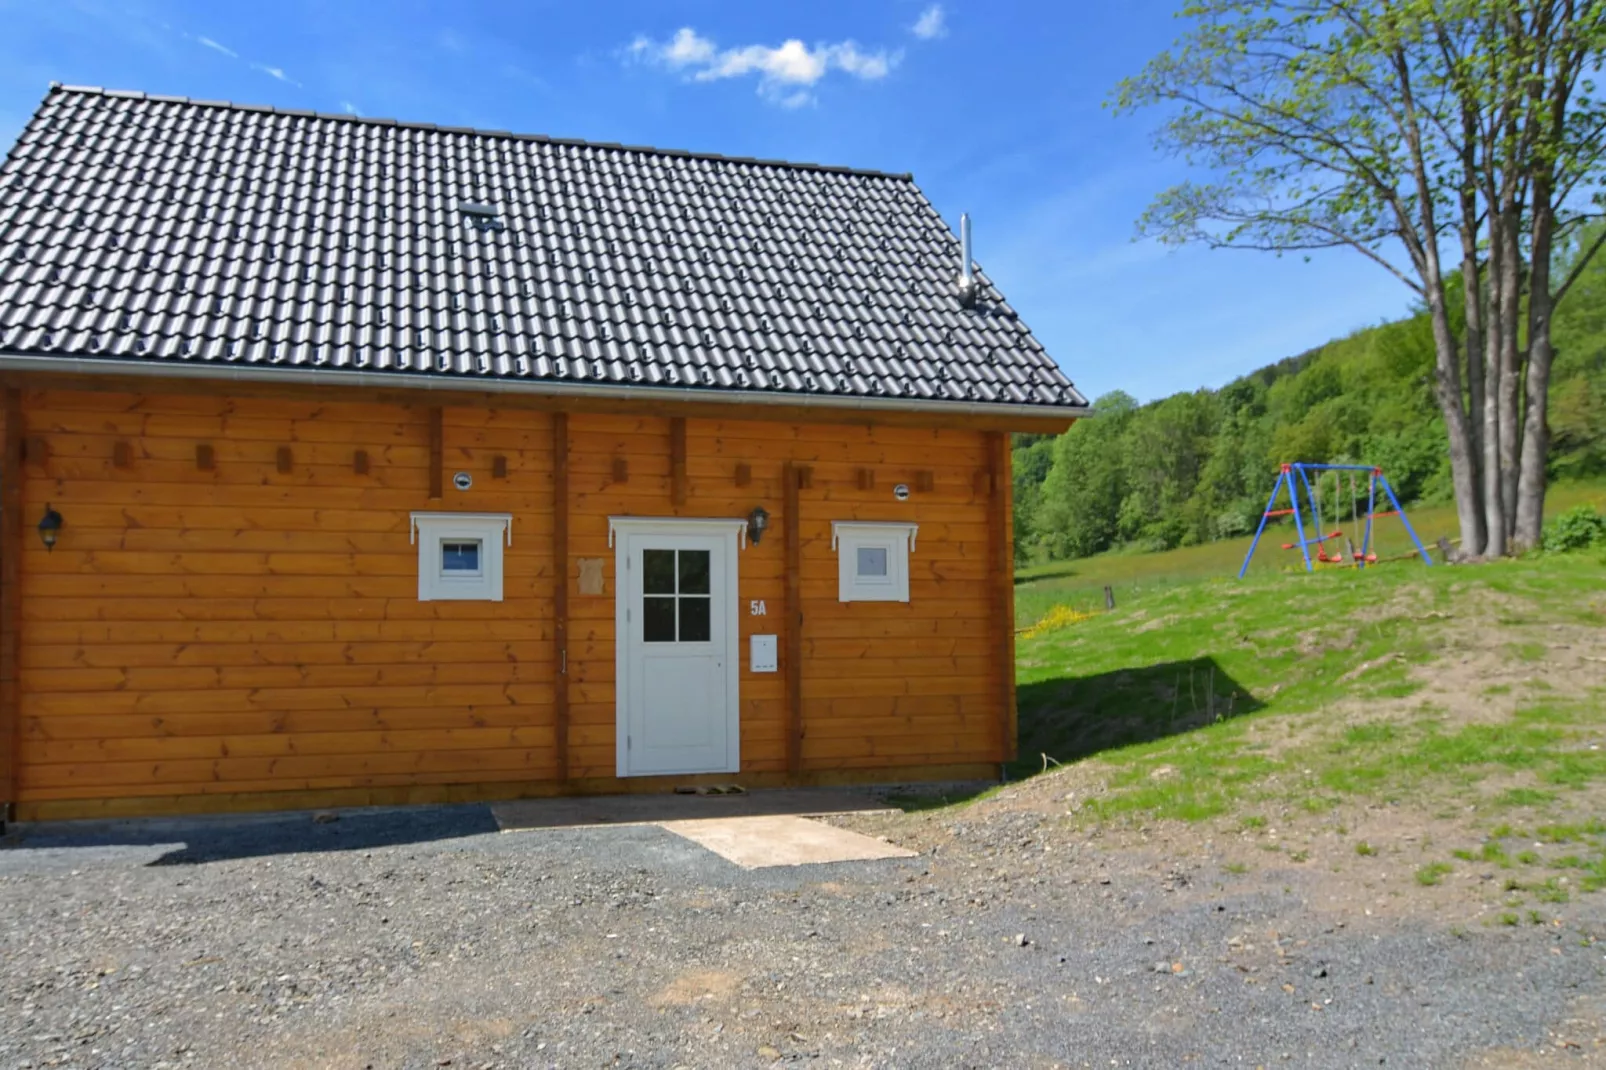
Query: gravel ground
[(424, 938)]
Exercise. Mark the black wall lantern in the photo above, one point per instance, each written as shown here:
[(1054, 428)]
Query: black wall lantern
[(49, 527), (758, 521)]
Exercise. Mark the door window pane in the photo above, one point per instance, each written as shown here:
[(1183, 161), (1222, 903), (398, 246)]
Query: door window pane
[(460, 556), (658, 619), (694, 571), (872, 561), (695, 625), (658, 572)]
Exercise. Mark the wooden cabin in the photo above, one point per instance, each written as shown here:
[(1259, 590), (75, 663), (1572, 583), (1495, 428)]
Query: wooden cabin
[(352, 462)]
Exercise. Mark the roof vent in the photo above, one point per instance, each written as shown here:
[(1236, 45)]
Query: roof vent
[(482, 216), (966, 286)]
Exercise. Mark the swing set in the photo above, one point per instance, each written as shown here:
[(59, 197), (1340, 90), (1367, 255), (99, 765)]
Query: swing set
[(1297, 474)]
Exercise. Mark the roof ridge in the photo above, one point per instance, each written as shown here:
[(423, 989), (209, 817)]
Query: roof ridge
[(547, 139)]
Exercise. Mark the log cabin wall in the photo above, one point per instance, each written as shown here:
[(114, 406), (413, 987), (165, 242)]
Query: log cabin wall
[(231, 616)]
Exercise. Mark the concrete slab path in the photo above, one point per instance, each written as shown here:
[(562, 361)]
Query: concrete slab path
[(755, 830), (760, 842)]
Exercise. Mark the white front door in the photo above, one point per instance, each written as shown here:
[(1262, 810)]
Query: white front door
[(677, 652)]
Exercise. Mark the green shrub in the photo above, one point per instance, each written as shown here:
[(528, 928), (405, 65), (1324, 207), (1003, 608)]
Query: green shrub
[(1578, 528)]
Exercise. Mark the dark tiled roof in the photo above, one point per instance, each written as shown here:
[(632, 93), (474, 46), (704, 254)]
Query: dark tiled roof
[(165, 230)]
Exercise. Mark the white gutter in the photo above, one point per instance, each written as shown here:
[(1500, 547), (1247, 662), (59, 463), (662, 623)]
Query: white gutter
[(252, 373)]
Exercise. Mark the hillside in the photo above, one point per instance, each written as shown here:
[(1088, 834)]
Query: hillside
[(1196, 467)]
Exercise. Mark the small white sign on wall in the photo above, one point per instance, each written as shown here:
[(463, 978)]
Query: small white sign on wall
[(763, 653)]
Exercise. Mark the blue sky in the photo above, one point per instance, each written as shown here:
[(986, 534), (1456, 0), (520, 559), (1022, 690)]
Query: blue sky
[(997, 107)]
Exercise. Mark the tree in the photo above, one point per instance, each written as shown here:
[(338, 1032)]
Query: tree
[(1086, 483), (1389, 127)]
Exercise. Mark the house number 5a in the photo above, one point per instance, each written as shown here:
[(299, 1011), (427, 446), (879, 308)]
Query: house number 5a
[(756, 607)]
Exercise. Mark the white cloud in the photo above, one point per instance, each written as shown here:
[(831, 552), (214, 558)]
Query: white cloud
[(275, 72), (680, 50), (781, 70), (349, 108), (930, 24), (218, 46), (214, 46)]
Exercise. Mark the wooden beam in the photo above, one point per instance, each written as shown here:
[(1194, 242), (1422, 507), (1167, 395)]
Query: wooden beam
[(1001, 573), (792, 652), (437, 451), (925, 481), (867, 479), (10, 601), (560, 587), (499, 466), (359, 462), (621, 470), (490, 399), (284, 460), (122, 454), (744, 474), (205, 457), (677, 461)]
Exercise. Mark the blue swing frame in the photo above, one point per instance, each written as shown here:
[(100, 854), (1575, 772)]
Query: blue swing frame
[(1301, 469)]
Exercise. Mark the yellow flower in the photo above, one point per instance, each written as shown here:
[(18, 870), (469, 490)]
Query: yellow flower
[(1055, 619)]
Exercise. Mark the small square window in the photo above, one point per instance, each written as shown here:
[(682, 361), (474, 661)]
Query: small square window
[(460, 555), (872, 560)]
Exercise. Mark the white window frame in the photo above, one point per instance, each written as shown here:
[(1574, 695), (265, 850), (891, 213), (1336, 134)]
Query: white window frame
[(431, 531), (848, 537)]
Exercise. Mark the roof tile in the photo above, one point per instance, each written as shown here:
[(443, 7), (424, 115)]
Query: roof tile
[(158, 228)]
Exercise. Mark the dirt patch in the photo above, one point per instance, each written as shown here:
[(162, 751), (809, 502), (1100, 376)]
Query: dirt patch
[(1405, 601), (1323, 640), (696, 986)]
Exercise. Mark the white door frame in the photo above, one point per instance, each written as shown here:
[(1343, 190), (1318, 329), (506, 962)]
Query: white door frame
[(626, 589)]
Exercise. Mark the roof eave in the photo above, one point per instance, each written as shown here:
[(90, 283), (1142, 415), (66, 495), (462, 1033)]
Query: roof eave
[(247, 373)]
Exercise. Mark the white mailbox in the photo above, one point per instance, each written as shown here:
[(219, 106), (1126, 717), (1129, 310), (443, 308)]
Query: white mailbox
[(763, 654)]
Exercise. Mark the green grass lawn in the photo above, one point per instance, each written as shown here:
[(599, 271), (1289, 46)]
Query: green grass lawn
[(1476, 688), (1080, 583)]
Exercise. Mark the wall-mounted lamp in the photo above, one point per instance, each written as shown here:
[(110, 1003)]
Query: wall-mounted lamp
[(758, 521), (49, 527)]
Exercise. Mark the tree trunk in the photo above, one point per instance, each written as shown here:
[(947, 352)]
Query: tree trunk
[(1472, 299), (1447, 388), (1494, 512), (1510, 372), (1529, 513), (1471, 281), (1421, 237)]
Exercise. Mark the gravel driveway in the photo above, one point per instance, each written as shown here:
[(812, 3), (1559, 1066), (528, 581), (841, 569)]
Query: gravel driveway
[(424, 938)]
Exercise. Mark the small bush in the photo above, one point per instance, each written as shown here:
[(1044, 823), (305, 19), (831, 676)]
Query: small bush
[(1432, 874), (1579, 528)]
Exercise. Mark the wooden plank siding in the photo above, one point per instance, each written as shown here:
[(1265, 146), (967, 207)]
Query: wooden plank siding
[(230, 633), (11, 439)]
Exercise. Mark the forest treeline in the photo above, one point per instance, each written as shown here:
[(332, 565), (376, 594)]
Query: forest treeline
[(1198, 466)]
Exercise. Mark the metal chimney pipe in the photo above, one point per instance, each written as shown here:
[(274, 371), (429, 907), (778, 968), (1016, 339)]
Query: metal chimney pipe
[(965, 254), (965, 286)]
